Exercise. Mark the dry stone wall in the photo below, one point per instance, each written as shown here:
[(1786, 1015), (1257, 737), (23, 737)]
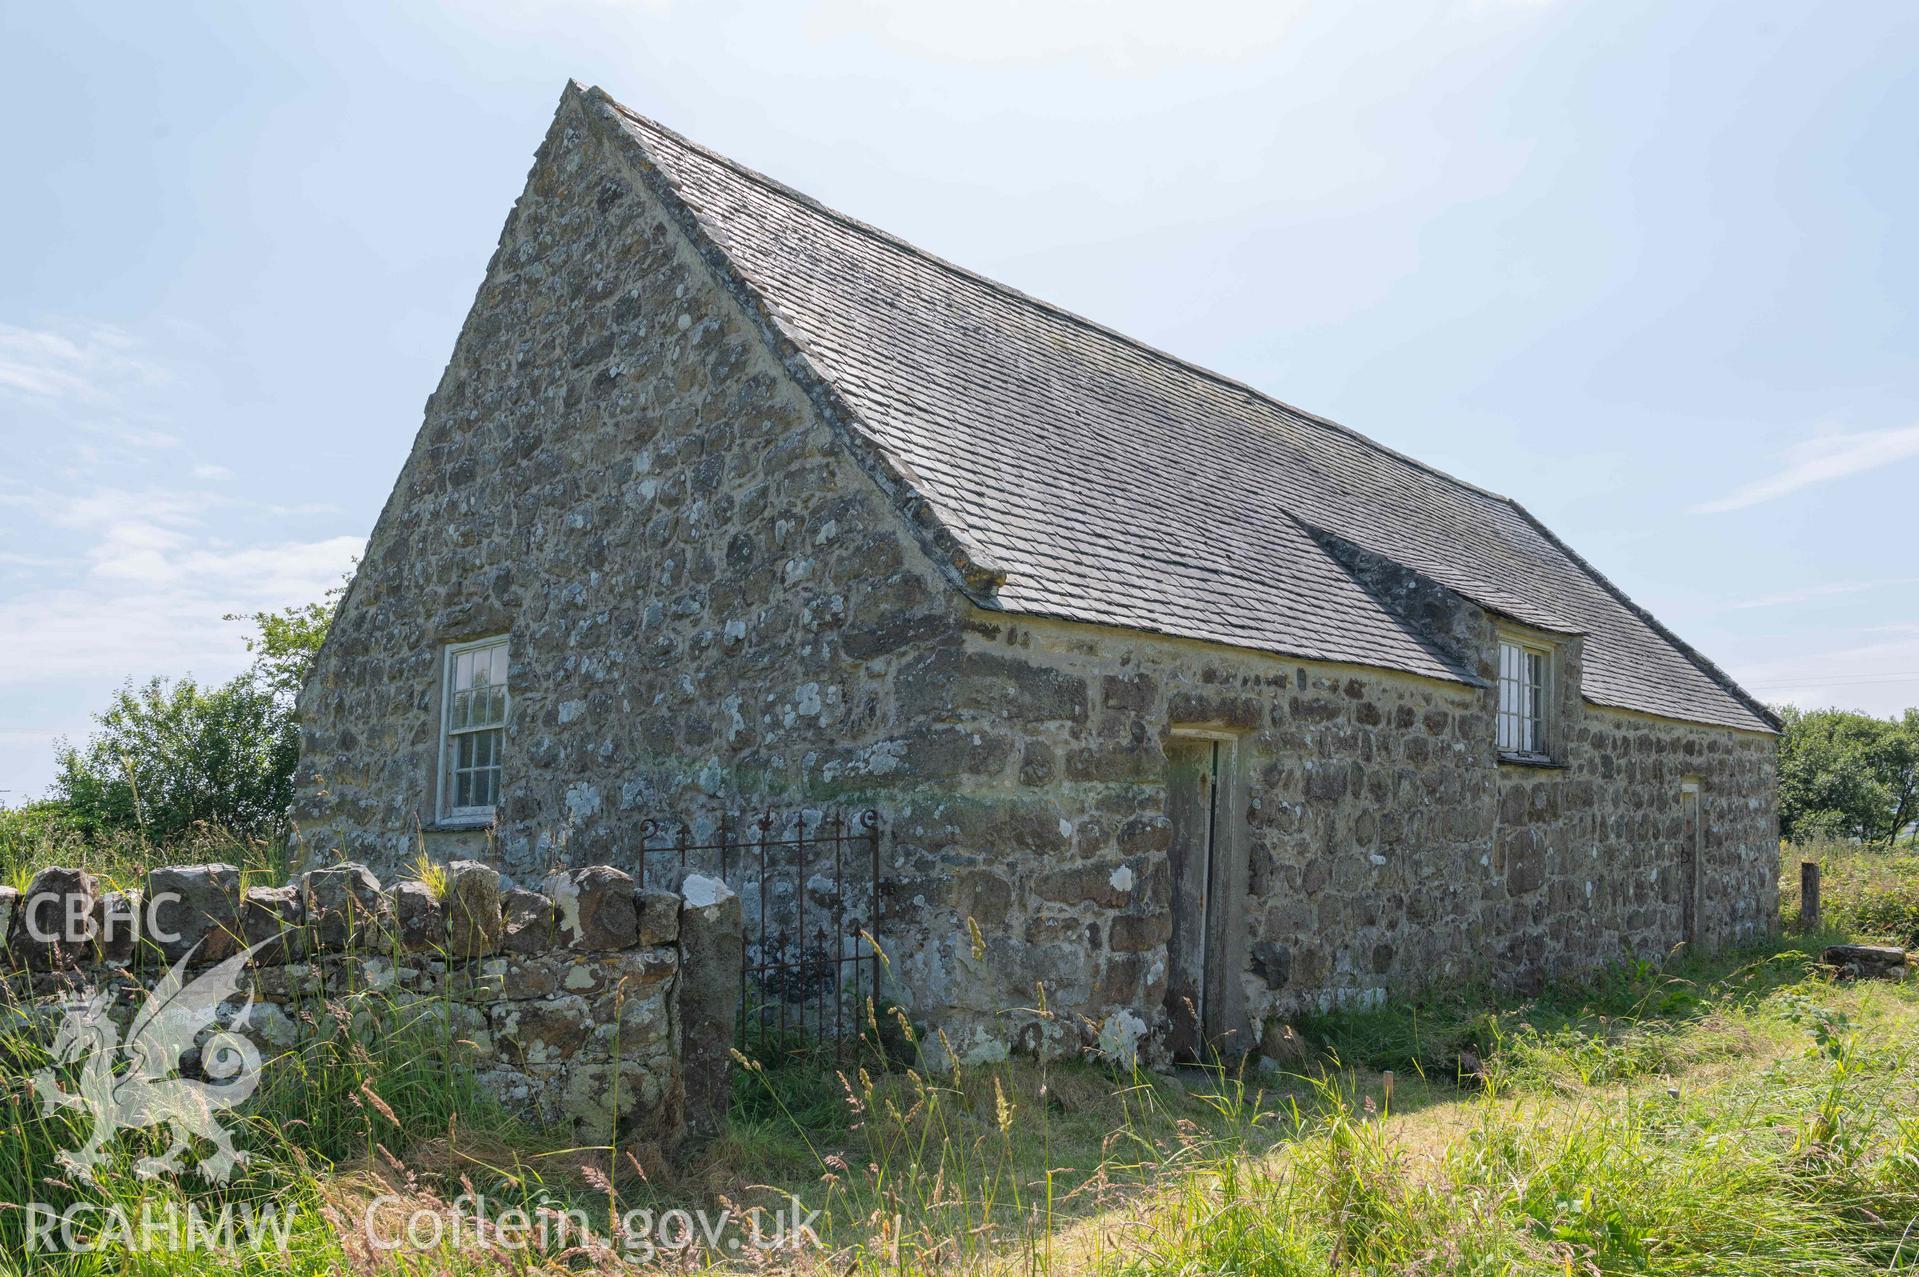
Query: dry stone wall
[(570, 1005)]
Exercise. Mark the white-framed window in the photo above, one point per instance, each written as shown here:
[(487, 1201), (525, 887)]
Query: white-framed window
[(1525, 695), (472, 728)]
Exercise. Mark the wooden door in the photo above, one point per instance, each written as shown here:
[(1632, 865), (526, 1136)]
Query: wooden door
[(1692, 835), (1204, 956)]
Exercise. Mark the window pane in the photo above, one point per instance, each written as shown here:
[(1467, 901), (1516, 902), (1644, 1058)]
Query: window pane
[(1510, 704), (1521, 716), (476, 705), (1536, 698)]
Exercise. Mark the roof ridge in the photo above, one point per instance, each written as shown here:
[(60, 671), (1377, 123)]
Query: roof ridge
[(867, 228), (1703, 663)]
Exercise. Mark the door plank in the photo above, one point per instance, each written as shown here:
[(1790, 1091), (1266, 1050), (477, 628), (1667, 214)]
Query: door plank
[(1225, 1022), (1189, 808)]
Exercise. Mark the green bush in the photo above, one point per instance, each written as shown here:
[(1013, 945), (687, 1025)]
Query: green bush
[(169, 757), (25, 830), (174, 759)]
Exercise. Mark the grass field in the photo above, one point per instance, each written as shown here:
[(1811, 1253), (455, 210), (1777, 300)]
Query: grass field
[(1736, 1114)]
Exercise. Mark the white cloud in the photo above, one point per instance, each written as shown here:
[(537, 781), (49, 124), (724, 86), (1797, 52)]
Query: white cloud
[(111, 578), (1830, 454), (133, 535), (301, 508), (88, 365), (152, 587), (127, 627), (298, 571), (140, 437), (1836, 589)]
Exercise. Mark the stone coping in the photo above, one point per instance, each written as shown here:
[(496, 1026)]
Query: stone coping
[(64, 919)]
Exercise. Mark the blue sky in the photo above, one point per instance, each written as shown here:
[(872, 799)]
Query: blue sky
[(1641, 266)]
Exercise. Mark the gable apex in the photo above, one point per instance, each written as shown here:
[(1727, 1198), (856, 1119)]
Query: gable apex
[(943, 535)]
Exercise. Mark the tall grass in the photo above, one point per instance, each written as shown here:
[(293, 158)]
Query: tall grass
[(377, 1099), (120, 860), (1871, 892), (1739, 1114), (1803, 1165)]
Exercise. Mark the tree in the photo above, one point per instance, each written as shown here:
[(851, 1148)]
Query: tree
[(287, 642), (1848, 775), (169, 756)]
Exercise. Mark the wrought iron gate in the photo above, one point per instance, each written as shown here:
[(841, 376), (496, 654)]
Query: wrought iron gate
[(809, 887)]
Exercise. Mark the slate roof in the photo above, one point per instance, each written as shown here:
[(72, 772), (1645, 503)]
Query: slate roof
[(1107, 482)]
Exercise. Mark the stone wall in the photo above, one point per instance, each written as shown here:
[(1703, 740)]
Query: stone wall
[(572, 1006), (715, 607), (1388, 849)]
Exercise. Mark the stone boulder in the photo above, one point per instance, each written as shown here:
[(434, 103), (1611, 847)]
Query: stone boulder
[(1867, 961), (419, 917), (193, 909), (273, 918), (597, 908), (474, 920), (712, 953), (122, 917), (1280, 1043), (529, 922), (341, 901), (1273, 963), (56, 922), (659, 913)]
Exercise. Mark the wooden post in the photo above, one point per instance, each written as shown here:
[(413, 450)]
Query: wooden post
[(1808, 895)]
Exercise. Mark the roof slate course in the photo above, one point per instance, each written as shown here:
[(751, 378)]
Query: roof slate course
[(1110, 483)]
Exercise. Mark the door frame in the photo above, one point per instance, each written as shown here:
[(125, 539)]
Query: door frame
[(1222, 1027)]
